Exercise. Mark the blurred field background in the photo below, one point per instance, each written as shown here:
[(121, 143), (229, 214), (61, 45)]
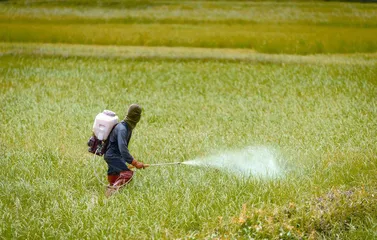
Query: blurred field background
[(298, 27), (299, 78)]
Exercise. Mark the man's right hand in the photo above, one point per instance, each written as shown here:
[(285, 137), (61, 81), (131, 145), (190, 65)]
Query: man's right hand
[(137, 164)]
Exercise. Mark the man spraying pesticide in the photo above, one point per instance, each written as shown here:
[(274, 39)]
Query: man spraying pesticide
[(111, 139)]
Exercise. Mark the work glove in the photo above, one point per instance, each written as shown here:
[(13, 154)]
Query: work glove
[(137, 164)]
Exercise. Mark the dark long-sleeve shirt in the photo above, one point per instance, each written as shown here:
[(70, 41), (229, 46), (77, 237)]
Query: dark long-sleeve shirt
[(119, 139)]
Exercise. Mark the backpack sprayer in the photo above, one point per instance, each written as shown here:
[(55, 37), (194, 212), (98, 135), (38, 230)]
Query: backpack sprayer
[(103, 125)]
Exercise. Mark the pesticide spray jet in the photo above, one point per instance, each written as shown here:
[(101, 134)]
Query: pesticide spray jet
[(251, 161)]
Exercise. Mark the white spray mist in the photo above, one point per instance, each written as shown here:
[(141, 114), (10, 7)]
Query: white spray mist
[(252, 161)]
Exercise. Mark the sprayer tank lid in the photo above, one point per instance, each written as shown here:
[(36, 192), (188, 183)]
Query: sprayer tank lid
[(109, 113)]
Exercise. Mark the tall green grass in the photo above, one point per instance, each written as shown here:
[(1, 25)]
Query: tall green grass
[(268, 27), (182, 54), (318, 112), (319, 117), (262, 38), (200, 12)]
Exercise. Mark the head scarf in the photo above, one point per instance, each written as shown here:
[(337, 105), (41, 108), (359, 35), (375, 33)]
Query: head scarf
[(133, 115)]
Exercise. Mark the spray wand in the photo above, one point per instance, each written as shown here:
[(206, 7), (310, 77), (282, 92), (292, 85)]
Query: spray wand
[(158, 164)]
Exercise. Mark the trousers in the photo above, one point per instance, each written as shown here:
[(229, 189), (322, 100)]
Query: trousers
[(123, 178)]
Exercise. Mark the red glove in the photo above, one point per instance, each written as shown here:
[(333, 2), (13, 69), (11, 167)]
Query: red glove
[(137, 164)]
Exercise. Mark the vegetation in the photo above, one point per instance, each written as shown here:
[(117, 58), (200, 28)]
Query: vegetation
[(318, 112), (268, 27)]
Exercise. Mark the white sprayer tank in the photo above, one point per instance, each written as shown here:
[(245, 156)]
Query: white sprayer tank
[(104, 123)]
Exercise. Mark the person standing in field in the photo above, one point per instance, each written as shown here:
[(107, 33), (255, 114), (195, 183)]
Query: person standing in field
[(117, 153)]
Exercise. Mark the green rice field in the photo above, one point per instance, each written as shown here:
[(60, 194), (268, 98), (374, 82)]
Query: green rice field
[(297, 79), (269, 27)]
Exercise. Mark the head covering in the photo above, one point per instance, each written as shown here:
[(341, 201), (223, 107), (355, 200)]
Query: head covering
[(133, 115)]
